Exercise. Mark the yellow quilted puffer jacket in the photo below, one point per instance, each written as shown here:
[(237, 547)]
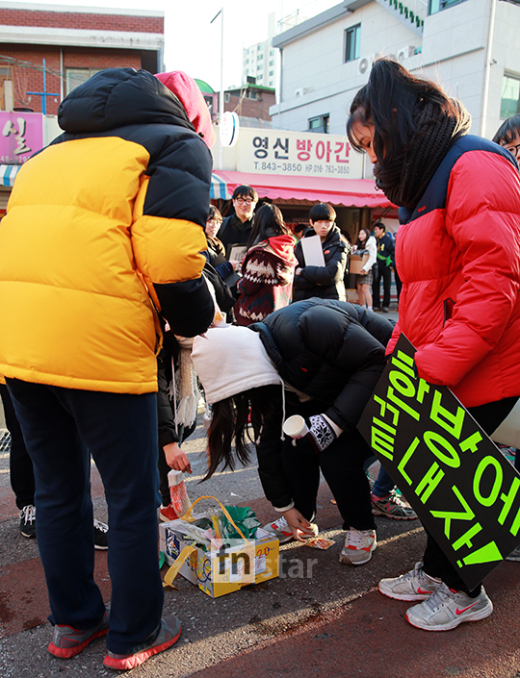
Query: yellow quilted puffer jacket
[(101, 223)]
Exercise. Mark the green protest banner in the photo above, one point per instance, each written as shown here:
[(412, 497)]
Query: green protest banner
[(465, 492)]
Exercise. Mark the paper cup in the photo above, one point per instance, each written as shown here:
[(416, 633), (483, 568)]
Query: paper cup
[(295, 427)]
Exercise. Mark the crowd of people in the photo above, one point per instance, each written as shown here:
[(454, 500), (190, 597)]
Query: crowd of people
[(133, 284)]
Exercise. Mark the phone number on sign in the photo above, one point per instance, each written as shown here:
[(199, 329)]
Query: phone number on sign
[(301, 167)]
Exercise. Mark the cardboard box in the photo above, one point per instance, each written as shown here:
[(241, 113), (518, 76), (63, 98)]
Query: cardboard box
[(220, 572), (357, 261)]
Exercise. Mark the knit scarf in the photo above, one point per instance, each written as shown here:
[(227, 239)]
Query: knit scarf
[(406, 175)]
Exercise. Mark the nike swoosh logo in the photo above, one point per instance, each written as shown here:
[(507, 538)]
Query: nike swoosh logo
[(459, 611), (420, 590)]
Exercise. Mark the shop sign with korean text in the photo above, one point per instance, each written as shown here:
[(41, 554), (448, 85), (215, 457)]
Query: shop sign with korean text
[(465, 492), (21, 136), (269, 151)]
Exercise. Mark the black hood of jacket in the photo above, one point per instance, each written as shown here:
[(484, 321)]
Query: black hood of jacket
[(117, 97)]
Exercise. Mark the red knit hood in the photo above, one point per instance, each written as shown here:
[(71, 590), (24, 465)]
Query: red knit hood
[(190, 96), (280, 245)]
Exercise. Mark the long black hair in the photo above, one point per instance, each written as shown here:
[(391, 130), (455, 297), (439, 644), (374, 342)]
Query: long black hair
[(363, 244), (229, 424), (268, 221), (412, 124), (508, 130), (391, 101)]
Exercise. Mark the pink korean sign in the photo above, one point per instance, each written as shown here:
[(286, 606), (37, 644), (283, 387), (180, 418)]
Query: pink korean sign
[(21, 135)]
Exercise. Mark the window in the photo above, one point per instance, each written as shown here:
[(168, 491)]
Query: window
[(439, 5), (271, 72), (319, 124), (6, 87), (352, 41), (260, 77), (271, 63), (271, 53), (260, 57), (250, 94), (510, 97), (227, 97), (77, 76)]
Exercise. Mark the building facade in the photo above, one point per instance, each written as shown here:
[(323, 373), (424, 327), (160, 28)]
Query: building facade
[(251, 103), (47, 50), (469, 47), (261, 60)]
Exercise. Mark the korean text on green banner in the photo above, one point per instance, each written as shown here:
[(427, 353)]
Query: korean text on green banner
[(465, 492)]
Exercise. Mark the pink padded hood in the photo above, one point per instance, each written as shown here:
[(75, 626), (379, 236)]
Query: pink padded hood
[(190, 96)]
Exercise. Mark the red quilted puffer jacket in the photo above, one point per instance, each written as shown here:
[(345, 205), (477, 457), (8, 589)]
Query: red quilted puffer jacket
[(458, 256)]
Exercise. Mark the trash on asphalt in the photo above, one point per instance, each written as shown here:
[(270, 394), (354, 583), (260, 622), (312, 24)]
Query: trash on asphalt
[(219, 550)]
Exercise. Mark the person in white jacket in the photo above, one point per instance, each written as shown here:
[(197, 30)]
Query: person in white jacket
[(365, 278)]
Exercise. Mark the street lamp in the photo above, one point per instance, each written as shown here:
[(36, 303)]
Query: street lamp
[(221, 93)]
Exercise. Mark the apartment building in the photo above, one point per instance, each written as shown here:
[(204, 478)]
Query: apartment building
[(469, 46)]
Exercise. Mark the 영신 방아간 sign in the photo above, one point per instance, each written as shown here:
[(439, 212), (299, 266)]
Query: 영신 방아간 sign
[(465, 492)]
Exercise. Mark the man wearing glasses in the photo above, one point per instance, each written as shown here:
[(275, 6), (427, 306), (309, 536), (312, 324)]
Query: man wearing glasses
[(237, 228)]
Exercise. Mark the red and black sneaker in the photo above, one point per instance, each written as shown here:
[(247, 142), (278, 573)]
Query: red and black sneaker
[(168, 635), (67, 641)]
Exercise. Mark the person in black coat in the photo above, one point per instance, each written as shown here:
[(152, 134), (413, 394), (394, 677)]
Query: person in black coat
[(383, 268), (317, 358), (325, 281), (237, 228)]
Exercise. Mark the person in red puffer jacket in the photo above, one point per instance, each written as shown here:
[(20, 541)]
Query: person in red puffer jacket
[(458, 257), (267, 269)]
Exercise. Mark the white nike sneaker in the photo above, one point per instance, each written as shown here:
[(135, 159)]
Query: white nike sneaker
[(414, 585), (445, 609)]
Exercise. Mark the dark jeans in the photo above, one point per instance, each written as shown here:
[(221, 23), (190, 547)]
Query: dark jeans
[(342, 466), (385, 274), (61, 426), (20, 464), (436, 563), (383, 485)]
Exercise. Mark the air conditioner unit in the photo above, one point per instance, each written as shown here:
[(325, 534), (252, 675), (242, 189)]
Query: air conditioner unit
[(365, 64), (405, 52)]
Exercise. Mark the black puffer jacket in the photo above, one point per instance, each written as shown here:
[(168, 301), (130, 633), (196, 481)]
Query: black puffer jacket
[(326, 281), (329, 350)]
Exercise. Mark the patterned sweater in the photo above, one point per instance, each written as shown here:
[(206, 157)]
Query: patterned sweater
[(267, 278)]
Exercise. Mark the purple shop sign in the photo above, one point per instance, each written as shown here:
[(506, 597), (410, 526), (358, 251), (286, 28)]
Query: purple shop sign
[(21, 135)]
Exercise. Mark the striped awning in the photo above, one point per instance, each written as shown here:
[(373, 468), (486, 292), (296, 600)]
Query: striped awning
[(8, 174), (218, 190)]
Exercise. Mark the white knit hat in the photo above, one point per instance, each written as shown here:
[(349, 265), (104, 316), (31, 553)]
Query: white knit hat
[(232, 360)]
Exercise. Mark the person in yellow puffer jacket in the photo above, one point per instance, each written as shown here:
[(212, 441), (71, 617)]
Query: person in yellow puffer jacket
[(104, 229)]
